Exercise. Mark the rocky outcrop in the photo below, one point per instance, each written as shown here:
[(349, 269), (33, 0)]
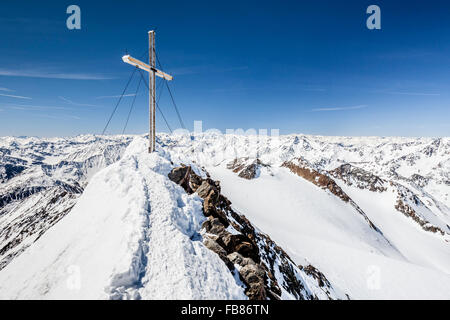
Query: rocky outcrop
[(322, 281), (406, 199), (246, 168), (44, 210), (23, 191), (41, 180), (265, 269), (183, 177), (303, 169), (19, 193), (419, 180), (360, 178), (408, 204), (410, 212), (232, 247), (9, 170)]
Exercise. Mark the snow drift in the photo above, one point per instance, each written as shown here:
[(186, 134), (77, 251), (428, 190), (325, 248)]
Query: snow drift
[(98, 218), (127, 237)]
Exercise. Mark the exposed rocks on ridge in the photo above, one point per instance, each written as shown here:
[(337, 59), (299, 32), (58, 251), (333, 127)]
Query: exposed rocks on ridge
[(264, 268), (303, 169), (246, 168), (359, 177)]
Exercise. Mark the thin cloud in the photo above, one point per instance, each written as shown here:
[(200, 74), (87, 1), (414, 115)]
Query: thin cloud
[(6, 89), (339, 108), (13, 96), (205, 69), (75, 103), (52, 75), (62, 117), (33, 107), (118, 96), (414, 93)]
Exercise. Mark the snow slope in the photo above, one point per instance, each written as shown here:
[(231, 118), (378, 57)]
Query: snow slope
[(312, 223), (289, 205), (128, 236), (378, 231), (41, 180)]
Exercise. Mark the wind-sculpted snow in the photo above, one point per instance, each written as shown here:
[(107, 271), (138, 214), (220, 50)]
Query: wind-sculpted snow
[(265, 269), (101, 222), (128, 237), (399, 185), (420, 164), (40, 181)]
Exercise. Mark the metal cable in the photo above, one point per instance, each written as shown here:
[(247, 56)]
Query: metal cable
[(157, 105), (132, 105), (171, 95), (118, 102)]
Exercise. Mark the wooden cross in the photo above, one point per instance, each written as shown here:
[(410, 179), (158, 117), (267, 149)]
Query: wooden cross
[(150, 68)]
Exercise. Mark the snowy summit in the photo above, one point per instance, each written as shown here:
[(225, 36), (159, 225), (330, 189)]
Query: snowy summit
[(212, 216)]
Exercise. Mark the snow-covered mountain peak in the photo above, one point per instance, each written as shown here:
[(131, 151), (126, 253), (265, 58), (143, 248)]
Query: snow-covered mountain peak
[(292, 216)]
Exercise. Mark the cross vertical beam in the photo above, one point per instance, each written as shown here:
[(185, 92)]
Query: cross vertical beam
[(152, 93), (152, 72)]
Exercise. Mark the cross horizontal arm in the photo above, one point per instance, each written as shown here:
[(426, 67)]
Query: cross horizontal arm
[(141, 65)]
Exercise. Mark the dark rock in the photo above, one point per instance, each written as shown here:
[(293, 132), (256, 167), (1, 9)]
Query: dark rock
[(8, 171), (241, 244), (359, 177), (252, 273), (214, 246), (303, 169), (180, 176), (257, 256), (316, 274), (214, 226), (244, 169), (256, 291), (236, 258), (208, 188), (237, 164), (185, 177), (408, 211), (177, 174), (213, 203), (249, 172), (292, 284), (419, 180), (315, 177)]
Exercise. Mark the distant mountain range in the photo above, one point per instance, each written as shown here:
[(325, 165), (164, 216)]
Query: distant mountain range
[(213, 216)]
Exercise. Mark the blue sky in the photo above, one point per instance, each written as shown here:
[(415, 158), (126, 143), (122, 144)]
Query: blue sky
[(298, 66)]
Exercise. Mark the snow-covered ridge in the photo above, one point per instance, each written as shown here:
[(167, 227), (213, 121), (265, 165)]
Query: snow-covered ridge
[(128, 237), (266, 270), (40, 181), (401, 185), (422, 165), (386, 157)]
